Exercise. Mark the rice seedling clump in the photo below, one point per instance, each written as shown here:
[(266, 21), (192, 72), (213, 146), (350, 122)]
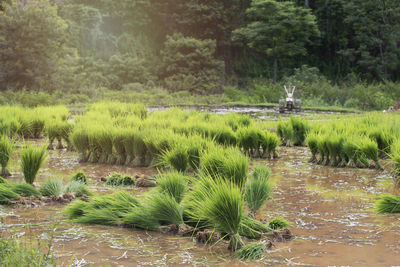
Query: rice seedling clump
[(252, 251), (104, 210), (258, 190), (177, 158), (252, 228), (388, 204), (117, 179), (228, 163), (165, 209), (51, 187), (6, 194), (77, 188), (80, 177), (173, 184), (6, 150), (219, 202), (32, 158), (25, 189), (278, 223)]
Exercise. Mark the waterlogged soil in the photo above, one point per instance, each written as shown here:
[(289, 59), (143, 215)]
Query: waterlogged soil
[(260, 112), (331, 210)]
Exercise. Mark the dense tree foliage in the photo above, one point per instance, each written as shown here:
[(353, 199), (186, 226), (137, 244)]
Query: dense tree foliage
[(278, 29), (200, 45), (32, 45)]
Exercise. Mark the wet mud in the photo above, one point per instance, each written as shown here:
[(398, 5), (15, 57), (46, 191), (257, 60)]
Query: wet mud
[(331, 210)]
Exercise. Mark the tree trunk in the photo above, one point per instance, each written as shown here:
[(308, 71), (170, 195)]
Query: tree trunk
[(275, 67), (228, 57), (306, 3)]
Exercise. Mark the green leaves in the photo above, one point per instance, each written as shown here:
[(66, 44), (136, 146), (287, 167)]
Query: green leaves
[(32, 159), (388, 204), (32, 45), (6, 150), (278, 29)]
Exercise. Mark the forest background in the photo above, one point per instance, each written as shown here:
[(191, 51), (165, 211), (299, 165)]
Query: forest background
[(342, 53)]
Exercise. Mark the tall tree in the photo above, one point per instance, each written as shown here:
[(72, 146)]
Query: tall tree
[(374, 47), (278, 29), (32, 45), (190, 64)]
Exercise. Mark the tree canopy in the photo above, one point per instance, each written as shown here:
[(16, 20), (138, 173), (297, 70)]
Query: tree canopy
[(194, 45)]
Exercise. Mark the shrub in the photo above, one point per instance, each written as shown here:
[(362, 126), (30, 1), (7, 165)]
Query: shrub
[(32, 159)]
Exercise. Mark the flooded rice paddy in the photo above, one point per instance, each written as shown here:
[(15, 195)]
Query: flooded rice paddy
[(331, 210), (260, 112)]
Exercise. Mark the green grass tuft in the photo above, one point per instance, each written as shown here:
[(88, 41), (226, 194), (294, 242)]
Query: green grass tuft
[(32, 159), (51, 187), (26, 189), (102, 216), (140, 217), (177, 158), (80, 176), (6, 194), (258, 189), (165, 209), (77, 188), (75, 209), (252, 228), (388, 204), (252, 251), (173, 184), (278, 223), (6, 150), (117, 179)]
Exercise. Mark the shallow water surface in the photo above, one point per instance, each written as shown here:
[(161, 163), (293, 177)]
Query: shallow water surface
[(330, 210)]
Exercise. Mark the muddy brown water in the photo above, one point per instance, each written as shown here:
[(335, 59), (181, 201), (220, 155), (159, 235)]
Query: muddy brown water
[(260, 112), (331, 210)]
